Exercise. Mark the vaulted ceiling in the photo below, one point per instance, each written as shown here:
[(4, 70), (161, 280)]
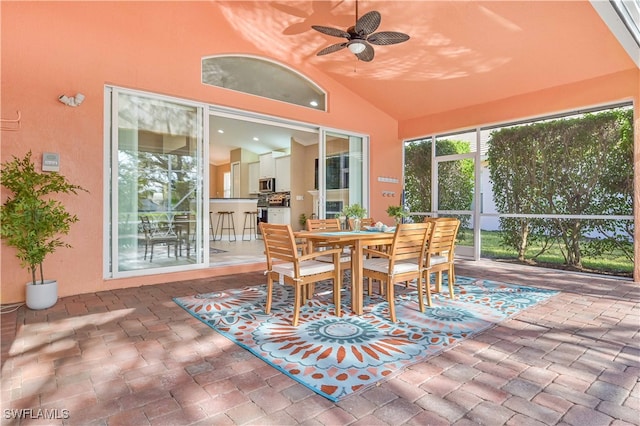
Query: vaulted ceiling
[(460, 53)]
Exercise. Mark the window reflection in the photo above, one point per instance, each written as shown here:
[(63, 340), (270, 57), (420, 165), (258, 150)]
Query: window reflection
[(264, 78), (157, 172)]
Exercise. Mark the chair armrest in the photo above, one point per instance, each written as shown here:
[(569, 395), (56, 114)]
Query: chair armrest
[(375, 253)]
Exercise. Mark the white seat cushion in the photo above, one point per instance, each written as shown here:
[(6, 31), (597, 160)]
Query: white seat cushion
[(344, 257), (437, 259), (308, 267), (382, 265)]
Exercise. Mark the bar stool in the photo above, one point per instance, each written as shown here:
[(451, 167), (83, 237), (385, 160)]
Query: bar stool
[(253, 220), (225, 216), (211, 228)]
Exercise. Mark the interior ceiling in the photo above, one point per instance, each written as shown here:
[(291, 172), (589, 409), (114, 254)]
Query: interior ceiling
[(461, 53), (240, 134)]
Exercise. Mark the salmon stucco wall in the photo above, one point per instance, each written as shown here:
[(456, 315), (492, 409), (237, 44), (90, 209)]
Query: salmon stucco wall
[(54, 48)]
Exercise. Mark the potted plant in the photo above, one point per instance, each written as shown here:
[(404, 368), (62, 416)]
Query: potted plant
[(33, 222), (397, 213), (357, 212)]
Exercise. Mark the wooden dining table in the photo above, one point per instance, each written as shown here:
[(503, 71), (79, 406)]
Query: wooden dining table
[(357, 240)]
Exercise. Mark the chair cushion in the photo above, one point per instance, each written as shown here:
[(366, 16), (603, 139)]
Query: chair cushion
[(379, 264), (437, 259), (344, 257), (307, 267)]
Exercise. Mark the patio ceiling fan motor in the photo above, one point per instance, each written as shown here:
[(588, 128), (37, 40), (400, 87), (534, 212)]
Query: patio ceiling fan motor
[(361, 36)]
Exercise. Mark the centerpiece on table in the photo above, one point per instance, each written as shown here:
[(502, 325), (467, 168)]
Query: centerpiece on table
[(356, 212)]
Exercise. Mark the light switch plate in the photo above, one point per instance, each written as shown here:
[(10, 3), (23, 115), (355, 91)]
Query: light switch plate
[(50, 162)]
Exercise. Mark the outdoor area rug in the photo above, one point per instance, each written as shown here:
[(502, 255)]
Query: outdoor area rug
[(336, 357)]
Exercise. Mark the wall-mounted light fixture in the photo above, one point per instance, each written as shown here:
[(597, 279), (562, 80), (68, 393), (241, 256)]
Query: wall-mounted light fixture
[(73, 101)]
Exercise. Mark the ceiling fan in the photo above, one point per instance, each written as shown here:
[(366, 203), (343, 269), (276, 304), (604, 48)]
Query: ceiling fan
[(361, 36)]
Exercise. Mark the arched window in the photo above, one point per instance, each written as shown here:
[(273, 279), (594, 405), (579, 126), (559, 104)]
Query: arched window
[(262, 77)]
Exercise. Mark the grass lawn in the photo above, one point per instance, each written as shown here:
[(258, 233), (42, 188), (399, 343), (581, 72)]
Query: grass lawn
[(614, 263)]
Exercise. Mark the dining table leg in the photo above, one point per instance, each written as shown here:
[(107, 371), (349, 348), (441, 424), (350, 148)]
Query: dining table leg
[(356, 278)]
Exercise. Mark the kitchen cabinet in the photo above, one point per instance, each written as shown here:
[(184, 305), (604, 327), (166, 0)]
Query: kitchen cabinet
[(254, 176), (279, 215), (283, 173), (267, 166)]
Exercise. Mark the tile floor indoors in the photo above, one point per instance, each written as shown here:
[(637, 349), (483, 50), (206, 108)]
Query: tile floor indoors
[(222, 253), (237, 252), (134, 357)]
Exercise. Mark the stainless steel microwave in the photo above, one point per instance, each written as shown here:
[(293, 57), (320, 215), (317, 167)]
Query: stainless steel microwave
[(267, 184)]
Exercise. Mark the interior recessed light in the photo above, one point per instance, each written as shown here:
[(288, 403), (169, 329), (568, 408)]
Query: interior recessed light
[(220, 131), (255, 139), (313, 103)]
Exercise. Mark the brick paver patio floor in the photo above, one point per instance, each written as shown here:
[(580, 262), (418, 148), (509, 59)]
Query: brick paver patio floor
[(134, 357)]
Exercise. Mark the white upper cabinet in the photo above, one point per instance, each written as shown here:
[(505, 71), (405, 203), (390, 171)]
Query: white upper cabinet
[(267, 166), (283, 173), (254, 176)]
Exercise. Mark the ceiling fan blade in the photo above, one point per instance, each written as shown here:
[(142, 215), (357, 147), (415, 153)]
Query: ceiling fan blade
[(331, 31), (290, 10), (367, 54), (331, 49), (387, 37), (294, 29), (368, 23)]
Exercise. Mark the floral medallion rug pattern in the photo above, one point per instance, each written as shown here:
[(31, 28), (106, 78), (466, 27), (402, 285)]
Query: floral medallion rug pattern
[(336, 357)]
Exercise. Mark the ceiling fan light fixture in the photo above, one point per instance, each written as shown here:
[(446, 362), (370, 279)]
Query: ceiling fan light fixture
[(356, 46), (361, 37)]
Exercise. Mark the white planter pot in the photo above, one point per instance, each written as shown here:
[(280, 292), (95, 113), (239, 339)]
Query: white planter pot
[(42, 296)]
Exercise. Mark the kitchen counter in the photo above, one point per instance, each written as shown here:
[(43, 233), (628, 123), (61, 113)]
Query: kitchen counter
[(280, 214), (234, 199)]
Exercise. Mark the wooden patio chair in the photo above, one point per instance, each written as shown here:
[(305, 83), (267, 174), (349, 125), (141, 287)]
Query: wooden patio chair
[(439, 256), (330, 225), (365, 221), (285, 264), (327, 225), (402, 262)]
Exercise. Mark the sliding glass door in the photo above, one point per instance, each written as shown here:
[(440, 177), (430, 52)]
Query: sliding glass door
[(156, 184), (157, 177), (344, 173), (455, 190)]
